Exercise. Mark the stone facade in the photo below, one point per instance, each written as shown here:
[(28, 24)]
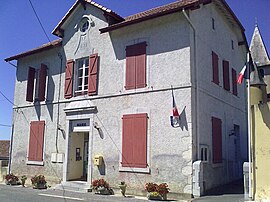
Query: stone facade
[(176, 58)]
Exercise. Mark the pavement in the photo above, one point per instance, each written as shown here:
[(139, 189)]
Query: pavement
[(229, 193)]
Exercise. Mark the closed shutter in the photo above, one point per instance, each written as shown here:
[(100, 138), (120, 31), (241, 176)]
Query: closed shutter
[(130, 68), (30, 84), (134, 143), (42, 82), (215, 68), (217, 140), (140, 50), (93, 75), (226, 75), (69, 79), (234, 82), (36, 140)]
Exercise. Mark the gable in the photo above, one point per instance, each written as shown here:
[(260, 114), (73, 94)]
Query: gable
[(111, 17)]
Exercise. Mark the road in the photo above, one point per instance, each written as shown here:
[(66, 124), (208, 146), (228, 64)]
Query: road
[(28, 194)]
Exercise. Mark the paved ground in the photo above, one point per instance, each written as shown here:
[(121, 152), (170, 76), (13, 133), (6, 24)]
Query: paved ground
[(229, 193), (233, 192)]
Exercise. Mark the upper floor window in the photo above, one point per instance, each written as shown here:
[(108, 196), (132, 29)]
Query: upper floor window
[(136, 66), (82, 76), (234, 82), (36, 83), (213, 24)]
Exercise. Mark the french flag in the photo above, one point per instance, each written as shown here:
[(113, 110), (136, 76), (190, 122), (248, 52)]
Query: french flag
[(241, 75), (175, 118)]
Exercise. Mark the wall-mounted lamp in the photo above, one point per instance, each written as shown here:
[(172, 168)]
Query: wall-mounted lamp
[(232, 133)]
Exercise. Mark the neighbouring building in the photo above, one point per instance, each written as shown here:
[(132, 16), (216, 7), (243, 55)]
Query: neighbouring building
[(260, 120), (4, 158), (97, 102)]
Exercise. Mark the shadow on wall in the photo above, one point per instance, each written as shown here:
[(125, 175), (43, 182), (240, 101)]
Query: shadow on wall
[(264, 108), (183, 119)]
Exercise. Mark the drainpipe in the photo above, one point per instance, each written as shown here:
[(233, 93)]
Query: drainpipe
[(10, 148), (195, 81)]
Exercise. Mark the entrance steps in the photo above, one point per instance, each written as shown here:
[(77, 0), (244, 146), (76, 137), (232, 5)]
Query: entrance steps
[(76, 186)]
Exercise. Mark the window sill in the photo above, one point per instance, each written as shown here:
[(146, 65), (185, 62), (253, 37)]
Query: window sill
[(135, 170), (38, 163)]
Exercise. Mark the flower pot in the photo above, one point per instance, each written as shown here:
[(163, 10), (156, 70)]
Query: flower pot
[(123, 188), (40, 186), (11, 182), (154, 196), (103, 191)]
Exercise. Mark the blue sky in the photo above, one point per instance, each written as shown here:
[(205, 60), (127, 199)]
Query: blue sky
[(21, 31)]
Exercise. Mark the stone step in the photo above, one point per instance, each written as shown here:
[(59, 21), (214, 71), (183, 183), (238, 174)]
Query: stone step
[(76, 186)]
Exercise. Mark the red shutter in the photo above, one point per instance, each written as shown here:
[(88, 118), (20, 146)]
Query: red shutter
[(140, 141), (215, 68), (127, 157), (35, 152), (92, 75), (30, 84), (42, 82), (226, 75), (216, 140), (69, 78), (134, 144), (140, 65), (234, 82), (130, 68)]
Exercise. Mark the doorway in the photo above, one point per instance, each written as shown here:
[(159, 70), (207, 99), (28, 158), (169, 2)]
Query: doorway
[(78, 156)]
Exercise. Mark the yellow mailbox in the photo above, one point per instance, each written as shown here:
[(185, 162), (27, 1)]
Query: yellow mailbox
[(98, 159)]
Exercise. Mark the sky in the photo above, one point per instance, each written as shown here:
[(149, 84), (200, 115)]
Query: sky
[(21, 32)]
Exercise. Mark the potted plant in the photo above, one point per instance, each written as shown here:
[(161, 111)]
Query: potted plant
[(123, 187), (102, 187), (11, 179), (23, 179), (39, 182), (163, 190), (156, 192)]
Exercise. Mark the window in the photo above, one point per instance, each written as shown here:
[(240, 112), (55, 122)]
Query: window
[(84, 25), (232, 45), (215, 68), (36, 141), (85, 76), (136, 66), (234, 82), (213, 24), (216, 140), (226, 75), (204, 153), (82, 70), (134, 141), (36, 83)]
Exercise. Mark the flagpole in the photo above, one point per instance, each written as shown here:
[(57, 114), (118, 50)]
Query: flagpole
[(249, 130)]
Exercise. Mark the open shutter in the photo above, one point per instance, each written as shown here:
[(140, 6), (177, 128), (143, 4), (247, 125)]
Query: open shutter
[(93, 74), (234, 82), (140, 50), (69, 79), (30, 84), (216, 140), (42, 82), (130, 68), (35, 151), (134, 143), (226, 75), (215, 68)]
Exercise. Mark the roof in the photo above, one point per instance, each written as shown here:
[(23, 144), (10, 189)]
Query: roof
[(59, 32), (168, 9), (41, 48), (4, 149), (257, 49)]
